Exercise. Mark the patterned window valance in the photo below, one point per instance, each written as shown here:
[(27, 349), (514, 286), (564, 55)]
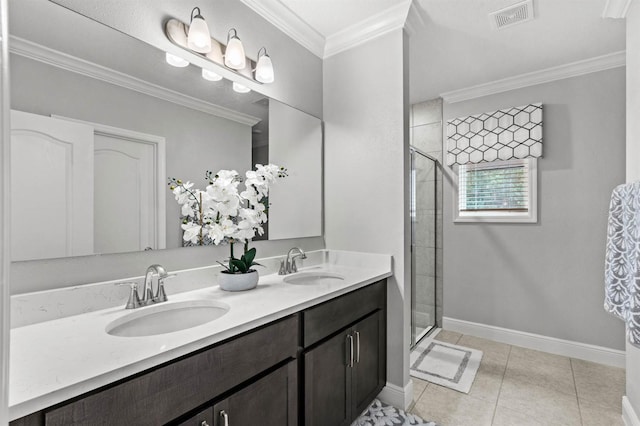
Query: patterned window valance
[(500, 135)]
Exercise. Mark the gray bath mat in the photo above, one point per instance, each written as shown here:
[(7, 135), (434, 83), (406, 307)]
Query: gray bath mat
[(445, 364), (379, 414)]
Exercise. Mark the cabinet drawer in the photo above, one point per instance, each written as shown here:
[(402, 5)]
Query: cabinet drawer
[(325, 319), (167, 392)]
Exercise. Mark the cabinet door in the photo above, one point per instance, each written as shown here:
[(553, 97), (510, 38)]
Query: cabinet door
[(203, 418), (369, 369), (327, 380), (270, 401)]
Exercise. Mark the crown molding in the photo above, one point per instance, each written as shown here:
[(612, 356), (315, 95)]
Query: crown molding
[(574, 69), (616, 9), (67, 62), (292, 25), (375, 26), (289, 23)]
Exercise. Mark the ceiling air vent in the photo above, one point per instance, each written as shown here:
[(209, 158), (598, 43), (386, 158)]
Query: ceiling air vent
[(512, 15)]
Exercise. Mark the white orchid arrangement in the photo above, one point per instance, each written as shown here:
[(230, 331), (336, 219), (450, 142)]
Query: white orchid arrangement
[(222, 214)]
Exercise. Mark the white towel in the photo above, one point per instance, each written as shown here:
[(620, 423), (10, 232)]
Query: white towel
[(622, 262)]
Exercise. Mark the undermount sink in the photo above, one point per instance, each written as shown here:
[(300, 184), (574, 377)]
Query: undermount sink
[(166, 317), (315, 277)]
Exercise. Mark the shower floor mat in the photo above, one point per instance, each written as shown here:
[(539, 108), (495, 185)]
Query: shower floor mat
[(445, 364)]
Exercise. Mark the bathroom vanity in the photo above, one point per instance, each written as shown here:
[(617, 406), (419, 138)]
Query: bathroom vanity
[(287, 353)]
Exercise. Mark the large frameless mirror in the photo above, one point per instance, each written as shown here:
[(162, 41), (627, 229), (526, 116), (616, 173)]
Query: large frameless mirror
[(100, 121)]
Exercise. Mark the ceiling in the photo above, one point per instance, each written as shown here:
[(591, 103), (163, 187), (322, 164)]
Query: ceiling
[(452, 43)]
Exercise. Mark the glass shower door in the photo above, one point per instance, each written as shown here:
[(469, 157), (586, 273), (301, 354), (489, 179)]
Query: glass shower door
[(423, 244)]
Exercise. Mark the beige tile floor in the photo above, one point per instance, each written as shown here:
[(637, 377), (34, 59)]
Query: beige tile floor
[(521, 387)]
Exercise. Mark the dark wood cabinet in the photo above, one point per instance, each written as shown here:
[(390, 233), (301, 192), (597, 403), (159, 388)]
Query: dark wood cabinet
[(320, 366), (269, 401), (345, 372), (327, 380), (167, 392), (368, 375), (203, 418)]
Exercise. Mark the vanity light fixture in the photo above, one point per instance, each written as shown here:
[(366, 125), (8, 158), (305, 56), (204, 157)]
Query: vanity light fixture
[(234, 55), (231, 58), (210, 75), (264, 67), (237, 87), (198, 39), (176, 61)]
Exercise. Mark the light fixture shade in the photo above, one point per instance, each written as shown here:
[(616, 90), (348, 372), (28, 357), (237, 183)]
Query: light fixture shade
[(264, 68), (210, 75), (240, 88), (199, 39), (234, 55), (176, 61)]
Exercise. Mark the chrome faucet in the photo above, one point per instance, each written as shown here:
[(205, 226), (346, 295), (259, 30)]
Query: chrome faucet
[(148, 296), (289, 265)]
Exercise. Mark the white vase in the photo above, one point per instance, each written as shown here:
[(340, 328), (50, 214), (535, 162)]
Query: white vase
[(238, 282)]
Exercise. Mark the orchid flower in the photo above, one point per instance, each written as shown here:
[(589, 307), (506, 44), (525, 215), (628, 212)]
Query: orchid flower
[(221, 212)]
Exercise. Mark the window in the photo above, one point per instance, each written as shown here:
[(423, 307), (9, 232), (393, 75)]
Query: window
[(498, 191)]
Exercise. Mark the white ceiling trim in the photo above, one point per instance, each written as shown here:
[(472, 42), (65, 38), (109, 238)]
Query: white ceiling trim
[(574, 69), (368, 29), (67, 62), (289, 23), (616, 9)]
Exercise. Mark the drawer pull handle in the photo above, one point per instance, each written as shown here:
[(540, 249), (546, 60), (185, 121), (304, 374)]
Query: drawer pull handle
[(225, 418), (357, 346), (350, 343), (204, 423)]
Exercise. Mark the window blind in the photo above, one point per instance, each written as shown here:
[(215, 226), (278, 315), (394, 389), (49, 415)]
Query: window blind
[(494, 188)]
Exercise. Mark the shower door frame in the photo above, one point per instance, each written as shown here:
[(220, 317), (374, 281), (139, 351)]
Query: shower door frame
[(416, 337)]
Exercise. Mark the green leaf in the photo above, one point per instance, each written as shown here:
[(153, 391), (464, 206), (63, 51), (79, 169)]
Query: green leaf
[(249, 255), (224, 266), (242, 267)]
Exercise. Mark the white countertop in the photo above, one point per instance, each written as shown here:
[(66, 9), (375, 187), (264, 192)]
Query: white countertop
[(56, 360)]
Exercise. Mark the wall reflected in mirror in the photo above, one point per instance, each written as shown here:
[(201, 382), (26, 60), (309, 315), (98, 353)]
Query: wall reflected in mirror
[(93, 143)]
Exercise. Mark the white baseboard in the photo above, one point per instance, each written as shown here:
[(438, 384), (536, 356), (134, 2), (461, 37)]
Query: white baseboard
[(629, 416), (599, 354), (397, 396)]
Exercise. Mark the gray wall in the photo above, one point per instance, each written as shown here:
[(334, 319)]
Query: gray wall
[(547, 278), (366, 163), (633, 169), (195, 141)]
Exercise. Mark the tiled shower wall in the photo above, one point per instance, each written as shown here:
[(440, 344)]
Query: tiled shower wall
[(427, 136)]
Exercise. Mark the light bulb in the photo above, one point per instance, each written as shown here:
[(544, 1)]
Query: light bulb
[(176, 61), (210, 75), (240, 88), (234, 55), (199, 39), (264, 68)]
